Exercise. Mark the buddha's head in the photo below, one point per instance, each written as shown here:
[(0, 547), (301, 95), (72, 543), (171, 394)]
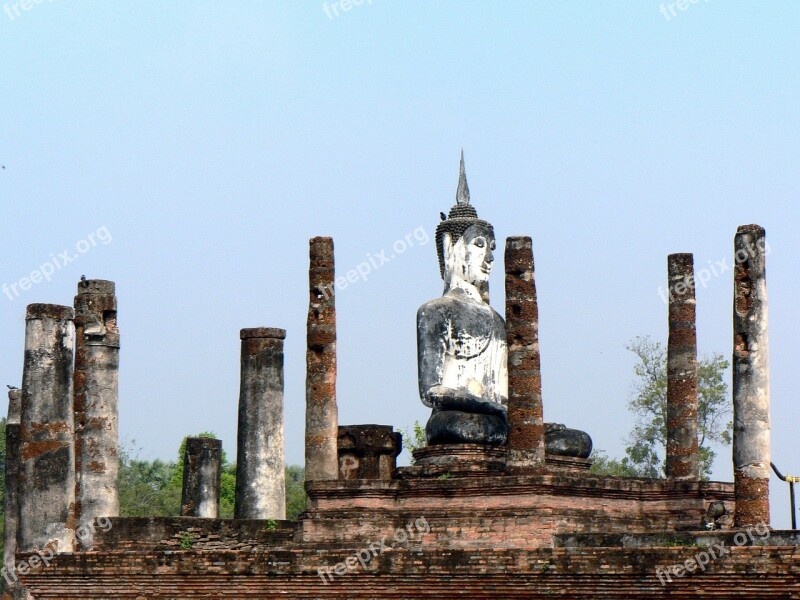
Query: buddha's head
[(464, 242), (471, 256)]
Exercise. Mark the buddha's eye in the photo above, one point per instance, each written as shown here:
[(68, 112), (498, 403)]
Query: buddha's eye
[(493, 245), (480, 242)]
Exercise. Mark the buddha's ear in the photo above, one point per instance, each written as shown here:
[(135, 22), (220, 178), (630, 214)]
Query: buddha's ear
[(449, 255)]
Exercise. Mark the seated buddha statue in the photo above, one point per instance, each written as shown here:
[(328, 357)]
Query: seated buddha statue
[(461, 343), (461, 340)]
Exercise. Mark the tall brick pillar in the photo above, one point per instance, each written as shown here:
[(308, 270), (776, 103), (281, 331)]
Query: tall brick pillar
[(683, 453), (96, 399), (260, 463), (202, 462), (12, 476), (526, 446), (322, 421), (47, 459), (751, 423)]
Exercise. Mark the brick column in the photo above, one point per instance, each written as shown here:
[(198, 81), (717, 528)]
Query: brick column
[(526, 446), (12, 476), (751, 423), (47, 459), (96, 399), (683, 453), (202, 474), (260, 463), (322, 421)]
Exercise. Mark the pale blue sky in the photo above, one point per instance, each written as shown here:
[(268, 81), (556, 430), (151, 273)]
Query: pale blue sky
[(212, 139)]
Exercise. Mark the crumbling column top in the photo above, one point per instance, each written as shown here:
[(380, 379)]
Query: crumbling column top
[(518, 242), (263, 332), (96, 286), (193, 443), (752, 228), (321, 239), (321, 252), (683, 257), (49, 311)]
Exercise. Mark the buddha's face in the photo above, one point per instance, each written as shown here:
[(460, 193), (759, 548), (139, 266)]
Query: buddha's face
[(473, 255)]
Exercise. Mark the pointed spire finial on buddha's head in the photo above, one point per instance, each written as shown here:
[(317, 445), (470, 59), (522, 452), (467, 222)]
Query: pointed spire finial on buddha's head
[(462, 193), (461, 217)]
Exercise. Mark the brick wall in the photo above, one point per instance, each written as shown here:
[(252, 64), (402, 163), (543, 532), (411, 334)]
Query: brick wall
[(174, 533), (538, 536), (505, 512), (575, 573)]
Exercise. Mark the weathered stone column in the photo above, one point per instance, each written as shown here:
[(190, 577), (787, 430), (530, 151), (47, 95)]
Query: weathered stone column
[(322, 421), (751, 426), (96, 396), (202, 474), (526, 446), (47, 459), (12, 476), (683, 453), (260, 463)]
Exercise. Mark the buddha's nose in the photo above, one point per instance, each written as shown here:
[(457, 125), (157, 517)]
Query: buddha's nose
[(489, 256)]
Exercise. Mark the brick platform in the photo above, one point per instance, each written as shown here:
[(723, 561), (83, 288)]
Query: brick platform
[(561, 534), (613, 573)]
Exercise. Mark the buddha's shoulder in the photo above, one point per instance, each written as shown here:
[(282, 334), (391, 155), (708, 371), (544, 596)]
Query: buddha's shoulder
[(453, 307), (440, 302), (442, 305)]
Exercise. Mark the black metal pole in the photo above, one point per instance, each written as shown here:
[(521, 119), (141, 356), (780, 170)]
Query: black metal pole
[(790, 480)]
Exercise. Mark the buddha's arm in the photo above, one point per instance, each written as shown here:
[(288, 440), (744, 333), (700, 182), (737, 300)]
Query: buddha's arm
[(502, 377), (449, 399), (431, 349)]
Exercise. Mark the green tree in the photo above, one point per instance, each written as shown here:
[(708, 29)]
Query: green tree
[(604, 465), (648, 402), (295, 491), (143, 485), (415, 439)]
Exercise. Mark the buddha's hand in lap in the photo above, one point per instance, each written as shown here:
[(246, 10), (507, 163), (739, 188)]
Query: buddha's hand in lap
[(444, 398)]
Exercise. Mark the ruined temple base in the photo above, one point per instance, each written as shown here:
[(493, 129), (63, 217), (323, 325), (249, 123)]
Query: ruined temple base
[(558, 534), (476, 460), (502, 511), (457, 460), (752, 572)]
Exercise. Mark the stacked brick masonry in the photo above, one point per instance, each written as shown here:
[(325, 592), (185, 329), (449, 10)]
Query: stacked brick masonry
[(682, 460), (575, 573), (489, 537), (504, 512), (148, 534), (526, 444), (322, 421)]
